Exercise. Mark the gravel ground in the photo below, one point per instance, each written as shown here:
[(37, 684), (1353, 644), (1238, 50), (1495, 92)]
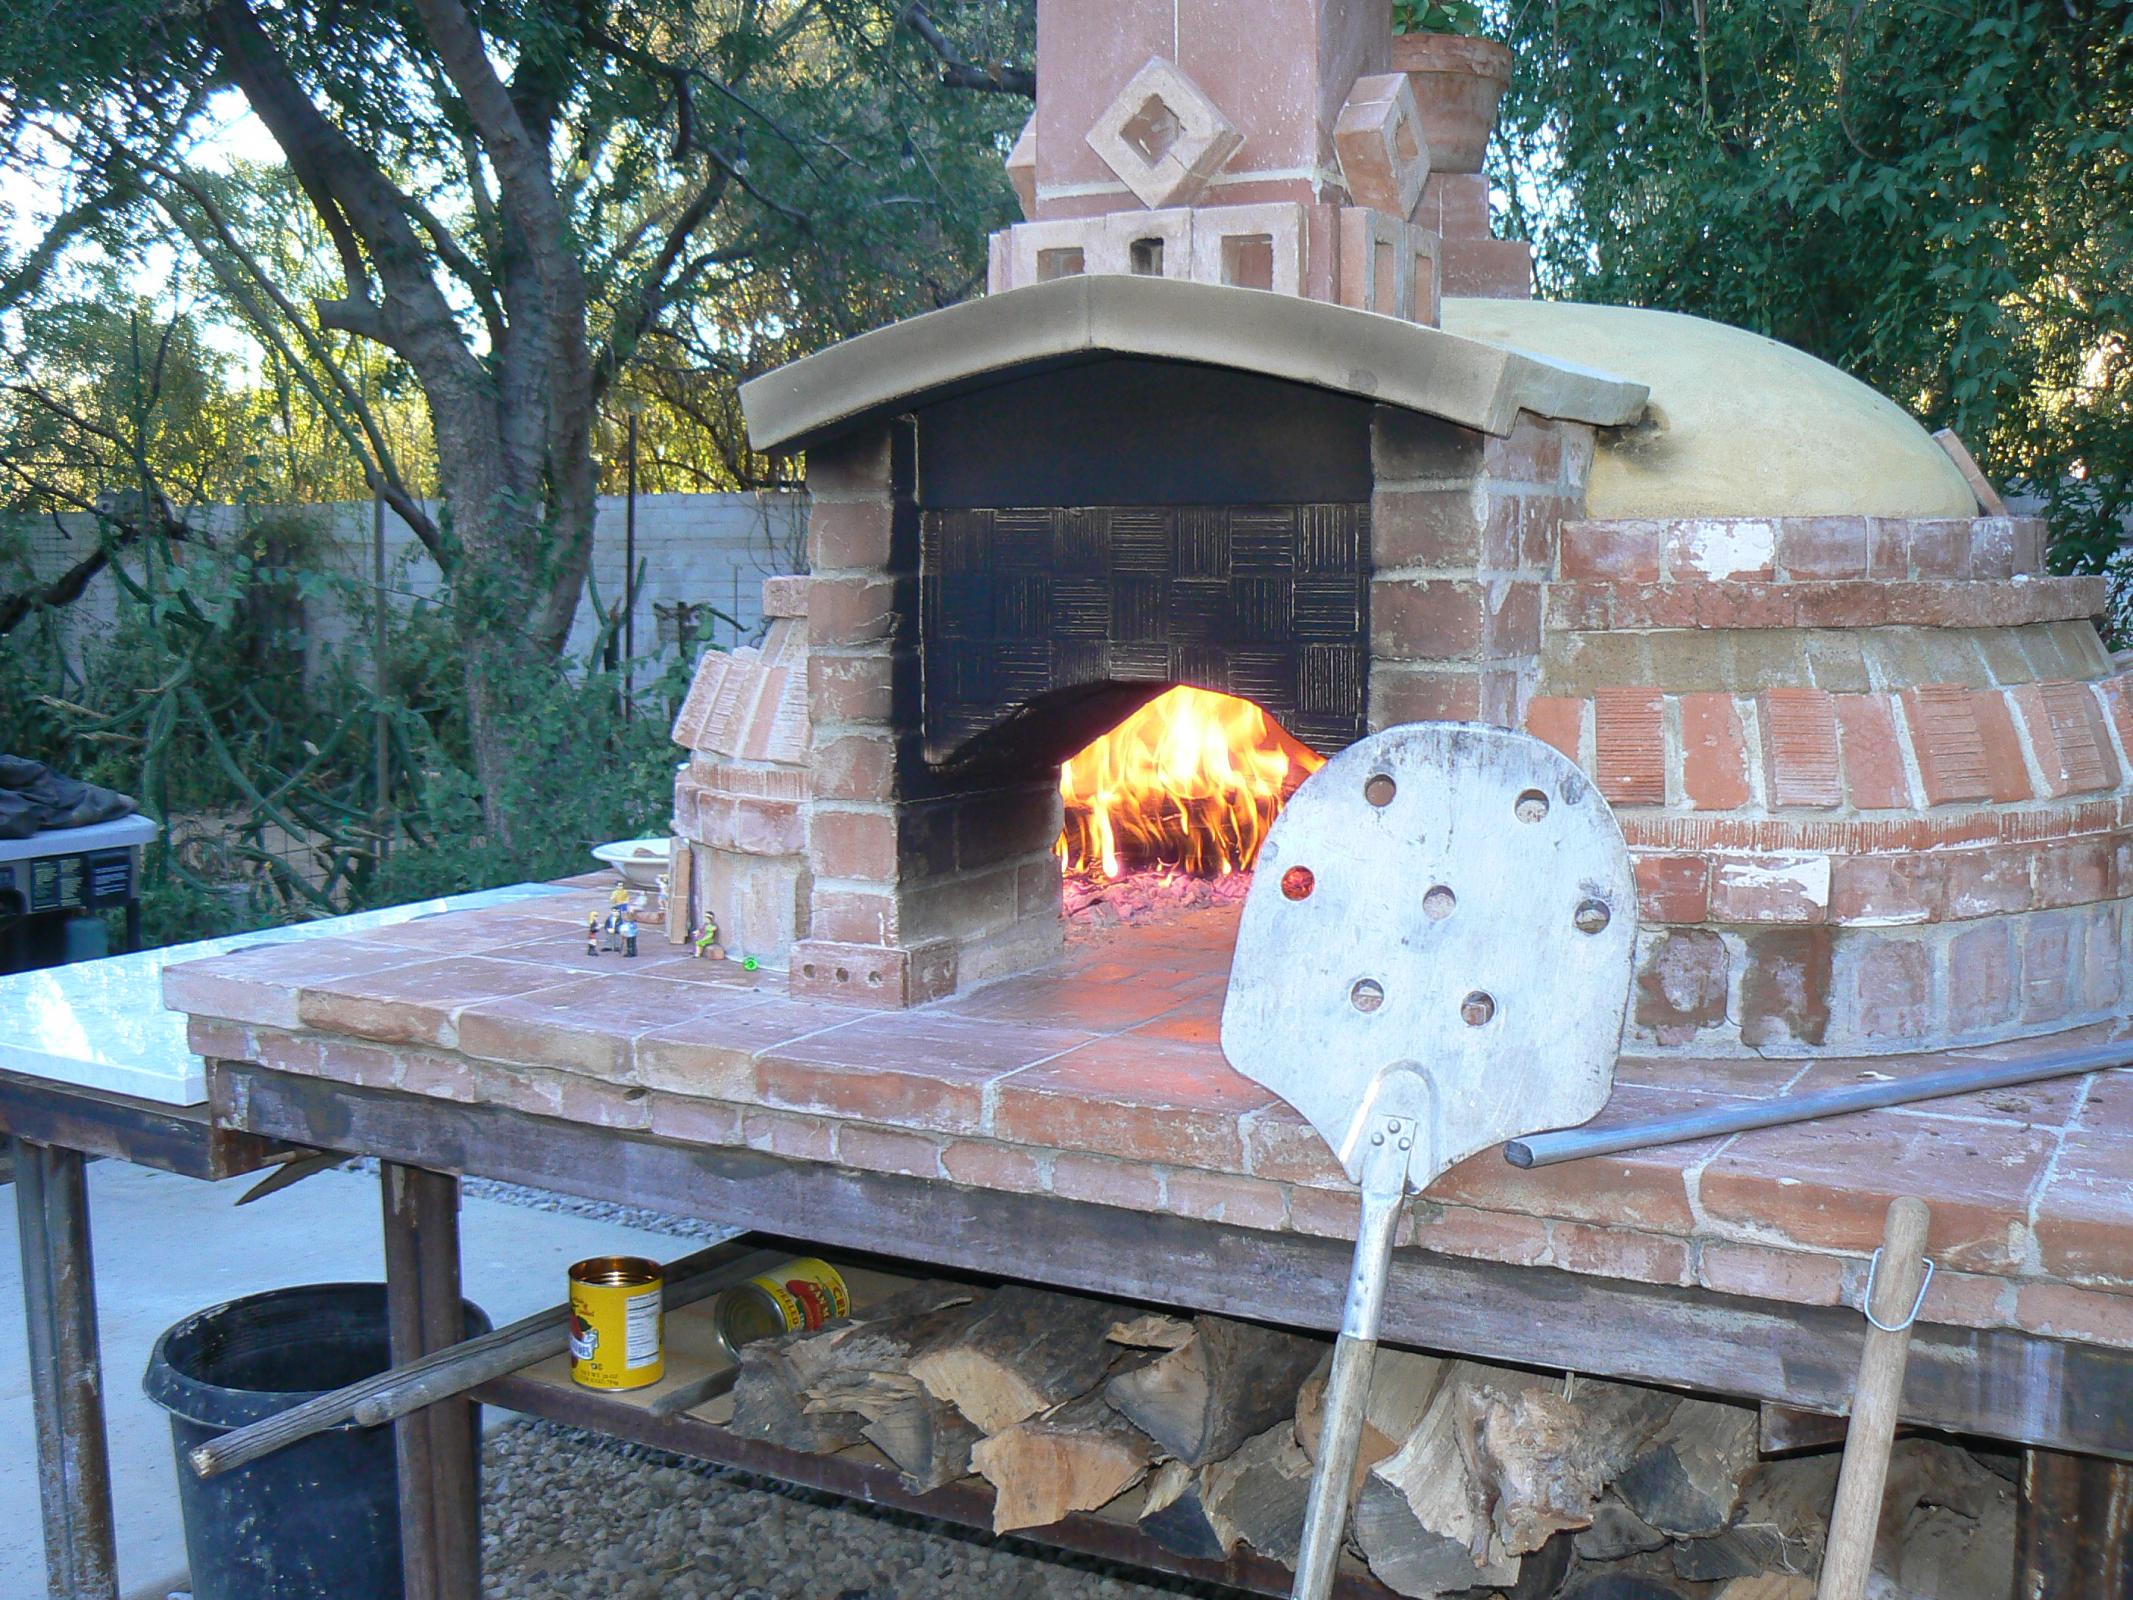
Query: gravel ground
[(568, 1515)]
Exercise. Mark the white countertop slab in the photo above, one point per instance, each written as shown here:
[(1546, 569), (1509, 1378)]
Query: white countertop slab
[(102, 1025)]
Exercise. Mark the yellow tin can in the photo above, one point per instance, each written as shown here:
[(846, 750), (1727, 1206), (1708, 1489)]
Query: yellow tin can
[(617, 1336), (804, 1292)]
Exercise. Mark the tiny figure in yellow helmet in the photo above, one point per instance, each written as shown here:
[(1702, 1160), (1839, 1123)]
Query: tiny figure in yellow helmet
[(707, 938)]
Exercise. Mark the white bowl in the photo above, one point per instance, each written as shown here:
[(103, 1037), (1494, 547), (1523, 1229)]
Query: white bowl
[(642, 862)]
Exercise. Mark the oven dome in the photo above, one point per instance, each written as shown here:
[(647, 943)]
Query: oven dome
[(1738, 425)]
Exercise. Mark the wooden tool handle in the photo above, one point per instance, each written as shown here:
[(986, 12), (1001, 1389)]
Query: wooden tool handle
[(1898, 1278)]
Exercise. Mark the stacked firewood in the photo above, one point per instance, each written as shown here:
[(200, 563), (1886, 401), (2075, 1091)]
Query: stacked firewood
[(1472, 1478)]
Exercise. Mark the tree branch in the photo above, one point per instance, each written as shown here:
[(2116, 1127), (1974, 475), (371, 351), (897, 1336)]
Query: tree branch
[(957, 70)]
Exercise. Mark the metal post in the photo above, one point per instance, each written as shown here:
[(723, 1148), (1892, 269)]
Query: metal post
[(2073, 1528), (66, 1372), (437, 1448), (629, 569), (381, 733)]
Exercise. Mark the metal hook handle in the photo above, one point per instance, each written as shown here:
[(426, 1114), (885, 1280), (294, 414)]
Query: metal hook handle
[(1866, 1301)]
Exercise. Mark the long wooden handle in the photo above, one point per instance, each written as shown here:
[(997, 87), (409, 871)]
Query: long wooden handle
[(1340, 1432), (1898, 1279)]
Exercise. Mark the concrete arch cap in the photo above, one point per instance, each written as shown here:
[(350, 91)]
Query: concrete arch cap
[(1469, 381), (1738, 425)]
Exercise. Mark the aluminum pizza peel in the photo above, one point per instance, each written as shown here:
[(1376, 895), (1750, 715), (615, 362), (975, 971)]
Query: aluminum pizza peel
[(1434, 957)]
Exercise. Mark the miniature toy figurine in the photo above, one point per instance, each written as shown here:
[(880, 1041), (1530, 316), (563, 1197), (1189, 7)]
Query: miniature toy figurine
[(592, 933), (629, 932), (707, 938)]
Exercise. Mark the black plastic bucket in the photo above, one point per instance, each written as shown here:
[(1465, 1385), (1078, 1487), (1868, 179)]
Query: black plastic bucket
[(319, 1520)]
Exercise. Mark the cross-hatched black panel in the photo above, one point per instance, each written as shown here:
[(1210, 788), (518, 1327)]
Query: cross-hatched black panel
[(1267, 601)]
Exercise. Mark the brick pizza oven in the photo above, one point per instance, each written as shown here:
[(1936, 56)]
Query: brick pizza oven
[(1257, 404)]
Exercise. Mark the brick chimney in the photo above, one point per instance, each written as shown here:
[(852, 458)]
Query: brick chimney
[(1263, 144)]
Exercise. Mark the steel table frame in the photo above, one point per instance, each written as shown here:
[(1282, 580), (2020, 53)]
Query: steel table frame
[(52, 1130), (2069, 1404)]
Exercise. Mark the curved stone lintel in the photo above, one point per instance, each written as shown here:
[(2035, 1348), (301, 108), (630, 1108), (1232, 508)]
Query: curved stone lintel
[(1467, 381)]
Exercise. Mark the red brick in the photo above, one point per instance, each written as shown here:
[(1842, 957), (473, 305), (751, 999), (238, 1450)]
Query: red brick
[(1457, 204), (845, 534), (2066, 730), (1874, 775), (1559, 720), (856, 916), (1488, 269), (2058, 1311), (2118, 697), (694, 1121), (1990, 881), (1619, 1253), (1714, 753), (1629, 746), (855, 464), (750, 826), (2074, 872), (1223, 1197), (1720, 549), (1792, 1277), (857, 688), (980, 1164), (1822, 547), (1673, 888), (853, 844), (1107, 1183), (2006, 769), (800, 1138), (1683, 986), (1947, 743), (1770, 888), (855, 610), (2103, 968), (888, 1150), (1325, 1213), (1981, 984), (1474, 1235), (1784, 989), (1887, 889), (1895, 993), (1888, 547), (2051, 955), (1800, 747), (1400, 695), (871, 975), (1427, 528), (1140, 1098), (856, 766), (1627, 552), (1940, 547), (1426, 619), (1514, 623)]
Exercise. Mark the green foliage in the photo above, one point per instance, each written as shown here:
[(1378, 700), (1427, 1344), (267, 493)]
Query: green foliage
[(1939, 200), (1463, 17), (197, 701)]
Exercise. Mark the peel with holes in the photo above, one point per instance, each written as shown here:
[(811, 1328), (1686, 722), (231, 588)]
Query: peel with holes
[(1435, 956)]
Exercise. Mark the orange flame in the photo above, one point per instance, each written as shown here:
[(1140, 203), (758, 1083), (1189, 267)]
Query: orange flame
[(1192, 780)]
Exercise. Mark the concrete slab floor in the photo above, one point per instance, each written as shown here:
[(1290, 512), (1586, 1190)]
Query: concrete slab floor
[(166, 1247)]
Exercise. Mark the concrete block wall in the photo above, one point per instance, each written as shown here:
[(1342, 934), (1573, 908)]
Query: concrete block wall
[(699, 550)]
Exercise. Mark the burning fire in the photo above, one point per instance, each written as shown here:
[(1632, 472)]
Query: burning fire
[(1192, 781)]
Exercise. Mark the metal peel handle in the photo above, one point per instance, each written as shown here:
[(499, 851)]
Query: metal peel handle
[(1340, 1434)]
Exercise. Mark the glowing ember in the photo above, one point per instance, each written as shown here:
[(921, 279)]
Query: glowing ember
[(1191, 781)]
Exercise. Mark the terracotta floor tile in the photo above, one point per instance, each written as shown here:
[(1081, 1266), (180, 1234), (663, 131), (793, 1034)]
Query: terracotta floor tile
[(2048, 1104), (1748, 1078), (467, 932), (1281, 1146), (585, 1026), (566, 950), (1828, 1184), (714, 1052), (1145, 1099), (1049, 999), (2108, 1105), (261, 984), (915, 1069), (415, 1003), (2084, 1216)]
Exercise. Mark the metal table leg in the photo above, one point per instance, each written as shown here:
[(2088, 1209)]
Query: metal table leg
[(66, 1372), (2074, 1528), (437, 1448)]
